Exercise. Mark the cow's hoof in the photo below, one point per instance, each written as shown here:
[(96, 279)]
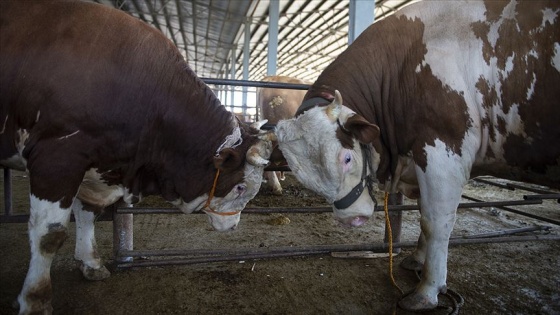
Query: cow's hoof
[(30, 305), (94, 274), (277, 192), (417, 302), (409, 263)]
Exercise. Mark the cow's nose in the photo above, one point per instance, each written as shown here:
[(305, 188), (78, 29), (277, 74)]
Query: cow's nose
[(353, 221)]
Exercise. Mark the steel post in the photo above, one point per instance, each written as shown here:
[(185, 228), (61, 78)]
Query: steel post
[(123, 233)]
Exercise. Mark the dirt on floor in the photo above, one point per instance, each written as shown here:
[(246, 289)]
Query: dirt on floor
[(497, 278)]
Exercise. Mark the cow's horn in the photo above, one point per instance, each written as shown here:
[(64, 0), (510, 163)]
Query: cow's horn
[(334, 108), (258, 124), (258, 153)]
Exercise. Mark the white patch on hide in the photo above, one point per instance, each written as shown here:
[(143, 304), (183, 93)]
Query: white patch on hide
[(444, 52), (555, 61), (509, 66), (42, 214), (69, 135), (548, 17), (95, 192), (85, 250), (531, 89)]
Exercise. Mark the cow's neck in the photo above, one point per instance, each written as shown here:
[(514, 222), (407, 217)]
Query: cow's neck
[(177, 159), (371, 85)]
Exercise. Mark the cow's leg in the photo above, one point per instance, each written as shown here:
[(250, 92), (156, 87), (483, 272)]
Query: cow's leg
[(273, 183), (86, 247), (48, 223), (440, 189), (415, 262)]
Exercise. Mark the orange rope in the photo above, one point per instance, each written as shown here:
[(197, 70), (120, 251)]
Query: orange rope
[(211, 195), (390, 232), (207, 208)]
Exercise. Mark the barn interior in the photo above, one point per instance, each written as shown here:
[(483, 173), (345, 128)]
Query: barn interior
[(251, 39), (246, 40)]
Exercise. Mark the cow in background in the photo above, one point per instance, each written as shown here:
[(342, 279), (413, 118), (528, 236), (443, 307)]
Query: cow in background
[(437, 93), (99, 107), (273, 105)]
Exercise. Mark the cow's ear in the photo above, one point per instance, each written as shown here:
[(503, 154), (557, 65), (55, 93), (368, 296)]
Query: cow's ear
[(362, 129), (228, 159)]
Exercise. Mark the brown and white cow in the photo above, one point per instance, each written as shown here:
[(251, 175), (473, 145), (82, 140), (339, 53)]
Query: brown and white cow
[(437, 93), (99, 106), (275, 104)]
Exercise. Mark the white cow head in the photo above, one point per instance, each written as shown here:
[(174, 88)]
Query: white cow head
[(322, 147)]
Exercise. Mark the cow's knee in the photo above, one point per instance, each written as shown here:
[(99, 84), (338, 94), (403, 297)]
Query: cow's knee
[(53, 239)]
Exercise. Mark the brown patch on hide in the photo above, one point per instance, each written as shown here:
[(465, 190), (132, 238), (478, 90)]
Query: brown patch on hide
[(39, 297), (55, 237), (345, 138), (489, 99), (481, 29), (236, 175), (494, 9), (92, 208), (442, 113), (523, 53)]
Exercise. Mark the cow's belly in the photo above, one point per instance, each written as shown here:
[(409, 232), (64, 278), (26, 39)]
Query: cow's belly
[(93, 191), (550, 178)]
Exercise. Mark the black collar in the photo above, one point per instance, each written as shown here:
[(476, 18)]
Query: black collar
[(366, 179), (310, 103)]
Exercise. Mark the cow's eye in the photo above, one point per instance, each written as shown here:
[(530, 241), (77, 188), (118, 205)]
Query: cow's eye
[(347, 158), (241, 189)]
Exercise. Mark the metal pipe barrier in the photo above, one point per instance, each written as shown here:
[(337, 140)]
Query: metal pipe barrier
[(214, 252), (293, 251), (523, 213), (392, 208), (277, 85)]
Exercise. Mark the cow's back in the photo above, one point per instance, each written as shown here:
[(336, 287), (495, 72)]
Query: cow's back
[(84, 86), (68, 66), (452, 70), (275, 104), (503, 57)]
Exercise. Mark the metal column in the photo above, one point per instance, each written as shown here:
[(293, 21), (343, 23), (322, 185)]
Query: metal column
[(246, 52), (274, 17), (361, 15), (232, 76), (123, 235)]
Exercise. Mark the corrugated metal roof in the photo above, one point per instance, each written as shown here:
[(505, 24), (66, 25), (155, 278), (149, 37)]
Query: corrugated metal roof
[(311, 32)]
